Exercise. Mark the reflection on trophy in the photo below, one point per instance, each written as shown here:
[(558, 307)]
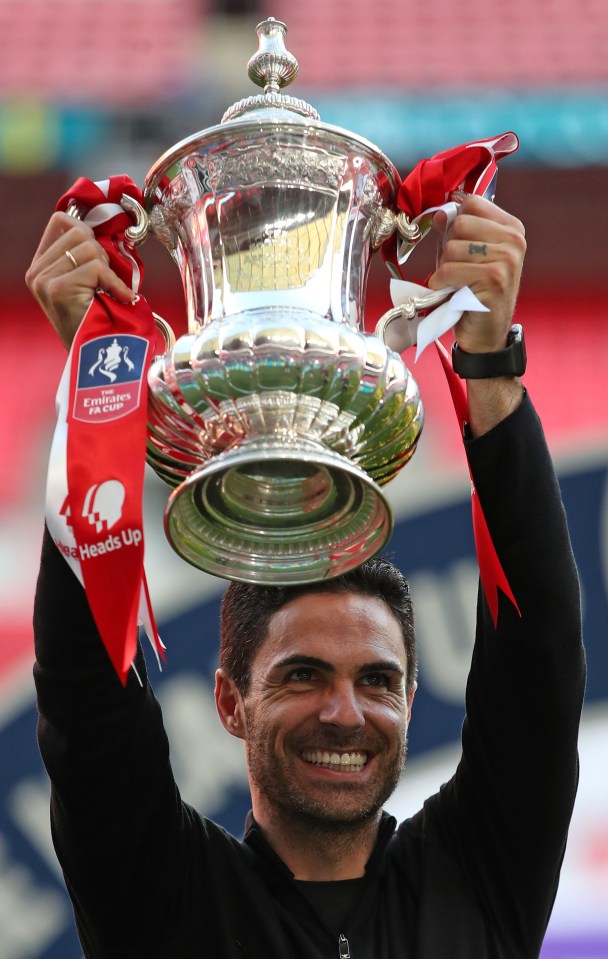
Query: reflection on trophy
[(277, 419)]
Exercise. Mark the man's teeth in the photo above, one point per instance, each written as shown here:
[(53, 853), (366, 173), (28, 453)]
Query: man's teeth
[(346, 761)]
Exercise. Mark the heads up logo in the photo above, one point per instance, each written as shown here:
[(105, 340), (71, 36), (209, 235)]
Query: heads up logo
[(109, 377), (103, 504)]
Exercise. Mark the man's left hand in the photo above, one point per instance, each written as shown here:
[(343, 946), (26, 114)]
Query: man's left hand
[(484, 250)]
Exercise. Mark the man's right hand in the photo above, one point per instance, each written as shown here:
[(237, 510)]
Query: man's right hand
[(65, 290)]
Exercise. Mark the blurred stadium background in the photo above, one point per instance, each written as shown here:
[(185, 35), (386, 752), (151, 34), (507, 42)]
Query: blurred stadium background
[(106, 87)]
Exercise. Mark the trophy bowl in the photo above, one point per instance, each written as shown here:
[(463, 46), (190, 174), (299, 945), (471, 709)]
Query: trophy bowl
[(276, 418)]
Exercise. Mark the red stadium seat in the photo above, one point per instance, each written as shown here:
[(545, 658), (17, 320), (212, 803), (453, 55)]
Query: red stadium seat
[(109, 51), (444, 43)]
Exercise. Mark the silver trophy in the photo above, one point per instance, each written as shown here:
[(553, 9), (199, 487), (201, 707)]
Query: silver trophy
[(277, 419)]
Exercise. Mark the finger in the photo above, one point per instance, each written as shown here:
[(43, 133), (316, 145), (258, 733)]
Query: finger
[(487, 280), (93, 272), (475, 251), (79, 254), (440, 221), (483, 213), (59, 225), (62, 288), (484, 209), (52, 261), (111, 283), (77, 240), (477, 229), (504, 256), (458, 274)]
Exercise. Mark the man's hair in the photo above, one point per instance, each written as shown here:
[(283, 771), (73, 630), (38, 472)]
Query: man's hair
[(248, 608)]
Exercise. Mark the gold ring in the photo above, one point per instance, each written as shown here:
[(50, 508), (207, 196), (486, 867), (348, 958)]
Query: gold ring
[(72, 258)]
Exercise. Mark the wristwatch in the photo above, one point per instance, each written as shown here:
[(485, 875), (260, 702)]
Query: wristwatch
[(481, 366)]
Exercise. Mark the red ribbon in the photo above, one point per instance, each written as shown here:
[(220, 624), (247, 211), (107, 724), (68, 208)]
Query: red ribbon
[(491, 573), (469, 168), (106, 424)]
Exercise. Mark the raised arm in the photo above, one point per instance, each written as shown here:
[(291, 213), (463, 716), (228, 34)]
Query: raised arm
[(115, 807), (508, 807), (512, 797)]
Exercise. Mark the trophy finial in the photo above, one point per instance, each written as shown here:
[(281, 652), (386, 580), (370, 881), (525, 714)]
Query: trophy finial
[(272, 67)]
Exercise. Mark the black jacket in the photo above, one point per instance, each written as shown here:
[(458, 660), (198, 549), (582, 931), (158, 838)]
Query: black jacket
[(472, 876)]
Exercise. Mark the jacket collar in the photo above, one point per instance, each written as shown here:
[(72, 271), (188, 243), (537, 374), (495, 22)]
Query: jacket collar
[(275, 867)]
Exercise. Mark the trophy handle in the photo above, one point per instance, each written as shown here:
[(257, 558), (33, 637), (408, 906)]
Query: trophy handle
[(386, 222), (166, 331), (393, 327), (136, 234)]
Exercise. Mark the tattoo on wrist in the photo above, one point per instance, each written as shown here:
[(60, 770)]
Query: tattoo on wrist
[(480, 248)]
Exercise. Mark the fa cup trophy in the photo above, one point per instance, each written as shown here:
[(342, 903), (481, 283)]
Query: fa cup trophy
[(277, 419)]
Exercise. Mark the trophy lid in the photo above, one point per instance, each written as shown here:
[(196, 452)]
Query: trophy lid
[(272, 68)]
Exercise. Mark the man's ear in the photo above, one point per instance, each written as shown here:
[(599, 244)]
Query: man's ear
[(229, 705)]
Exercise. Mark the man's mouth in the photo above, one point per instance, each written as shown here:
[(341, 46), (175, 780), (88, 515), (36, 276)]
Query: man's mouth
[(345, 762)]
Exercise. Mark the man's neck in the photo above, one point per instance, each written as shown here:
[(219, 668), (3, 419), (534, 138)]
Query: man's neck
[(319, 853)]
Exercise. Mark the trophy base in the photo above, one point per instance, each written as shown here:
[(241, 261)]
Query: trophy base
[(276, 513)]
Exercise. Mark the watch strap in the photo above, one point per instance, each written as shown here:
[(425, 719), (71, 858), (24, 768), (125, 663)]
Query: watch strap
[(508, 362)]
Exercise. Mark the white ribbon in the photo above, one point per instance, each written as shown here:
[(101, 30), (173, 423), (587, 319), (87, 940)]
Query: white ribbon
[(420, 332)]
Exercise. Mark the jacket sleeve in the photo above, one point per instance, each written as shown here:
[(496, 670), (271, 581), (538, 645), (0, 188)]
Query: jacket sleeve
[(114, 805), (512, 797)]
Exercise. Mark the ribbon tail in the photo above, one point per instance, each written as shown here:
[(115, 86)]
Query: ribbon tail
[(455, 384), (491, 573), (148, 622), (117, 625)]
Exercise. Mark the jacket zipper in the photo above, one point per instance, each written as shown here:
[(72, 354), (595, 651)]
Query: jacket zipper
[(343, 947)]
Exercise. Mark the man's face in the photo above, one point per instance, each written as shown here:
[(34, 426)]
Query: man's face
[(327, 710)]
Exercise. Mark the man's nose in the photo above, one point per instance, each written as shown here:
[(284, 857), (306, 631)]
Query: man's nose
[(341, 707)]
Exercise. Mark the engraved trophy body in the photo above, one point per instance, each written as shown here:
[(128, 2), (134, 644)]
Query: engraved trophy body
[(276, 418)]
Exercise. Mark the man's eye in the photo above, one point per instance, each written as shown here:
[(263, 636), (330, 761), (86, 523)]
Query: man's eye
[(302, 674), (380, 680)]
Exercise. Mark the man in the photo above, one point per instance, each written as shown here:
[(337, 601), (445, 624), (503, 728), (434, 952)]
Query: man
[(318, 682)]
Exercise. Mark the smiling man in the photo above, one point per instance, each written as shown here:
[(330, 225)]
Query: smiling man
[(319, 682), (324, 716)]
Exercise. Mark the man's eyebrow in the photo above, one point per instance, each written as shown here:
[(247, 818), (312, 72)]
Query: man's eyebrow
[(378, 666), (299, 659), (383, 666)]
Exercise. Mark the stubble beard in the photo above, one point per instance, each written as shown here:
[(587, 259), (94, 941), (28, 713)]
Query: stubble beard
[(328, 808)]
